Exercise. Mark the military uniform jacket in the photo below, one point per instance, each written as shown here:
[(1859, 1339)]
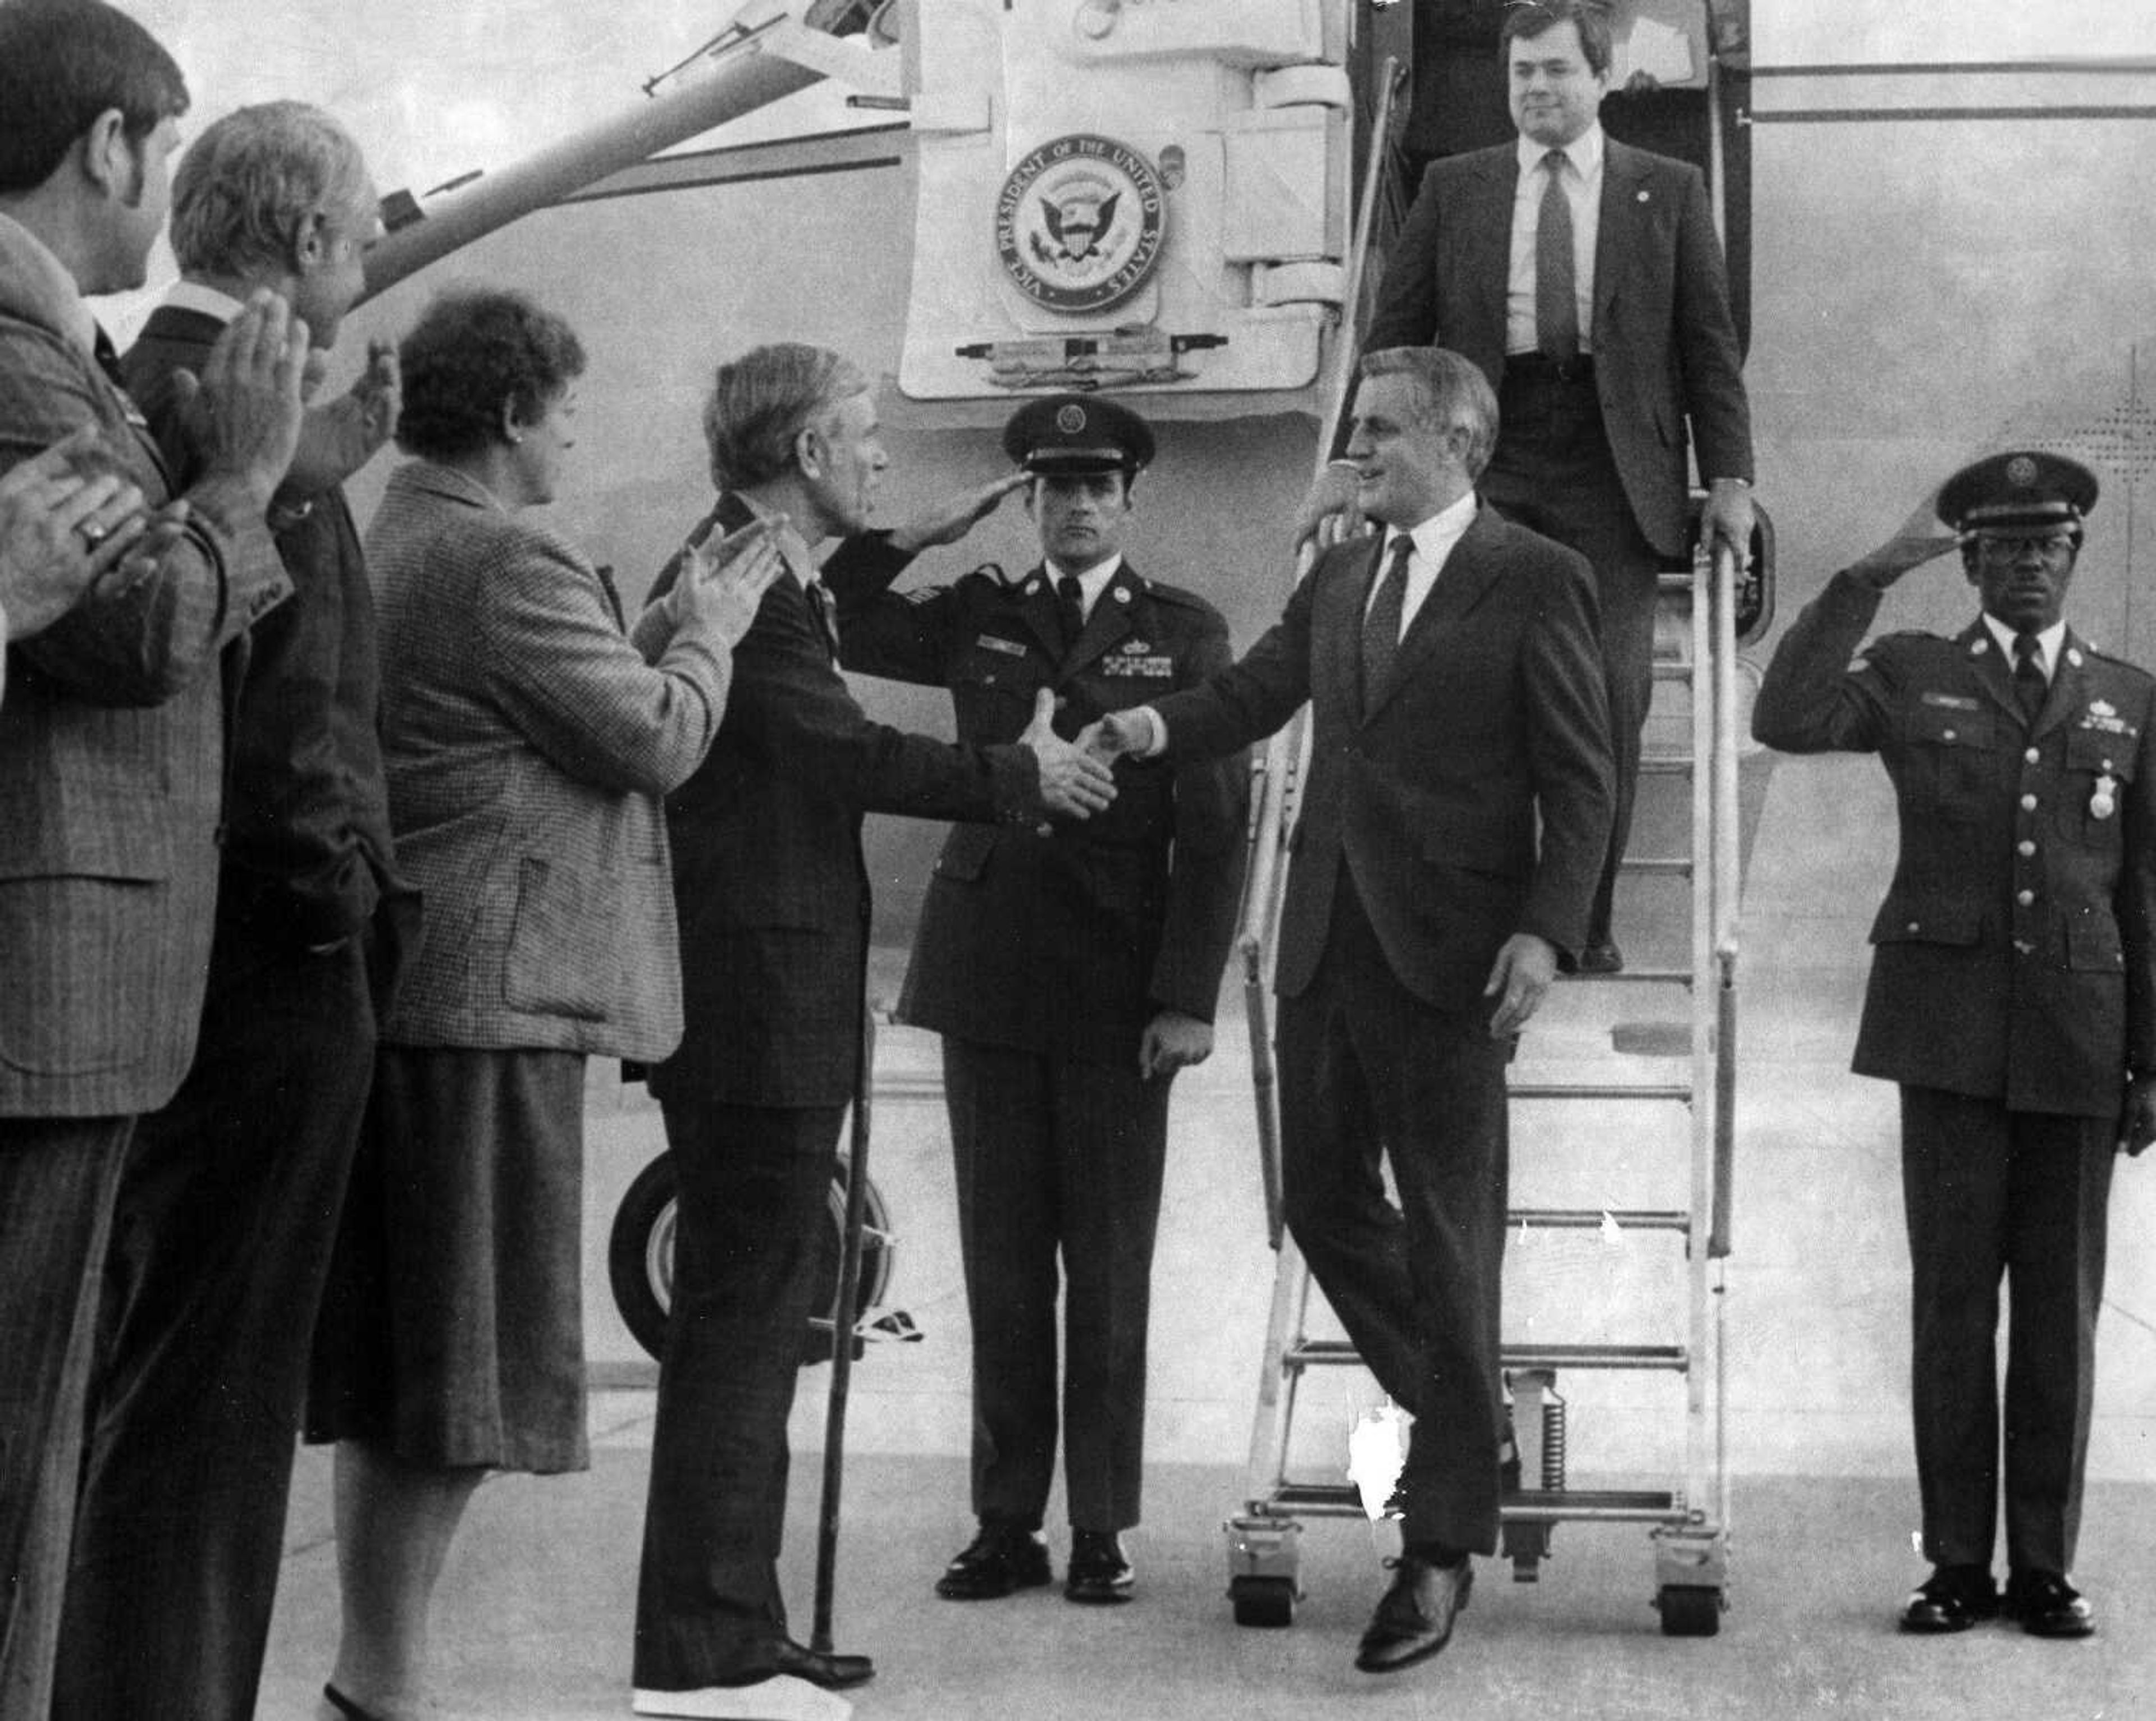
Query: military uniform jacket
[(2013, 957), (1069, 941)]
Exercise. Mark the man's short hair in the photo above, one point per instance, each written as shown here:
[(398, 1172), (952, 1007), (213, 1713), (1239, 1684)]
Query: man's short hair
[(1455, 394), (1526, 19), (62, 63), (246, 187), (762, 401), (473, 350)]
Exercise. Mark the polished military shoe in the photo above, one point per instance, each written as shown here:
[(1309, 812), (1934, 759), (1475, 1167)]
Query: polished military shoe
[(1952, 1599), (1099, 1572), (2048, 1606), (1001, 1559)]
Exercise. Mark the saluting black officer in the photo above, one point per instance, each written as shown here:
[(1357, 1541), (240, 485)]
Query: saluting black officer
[(1071, 971), (2012, 997)]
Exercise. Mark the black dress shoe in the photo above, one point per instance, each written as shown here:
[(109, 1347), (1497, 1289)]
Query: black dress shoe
[(1414, 1617), (1952, 1599), (1001, 1559), (2048, 1606), (1099, 1572), (825, 1668)]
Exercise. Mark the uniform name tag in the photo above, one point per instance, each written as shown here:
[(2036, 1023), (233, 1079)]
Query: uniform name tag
[(1951, 702), (1158, 667), (1008, 647)]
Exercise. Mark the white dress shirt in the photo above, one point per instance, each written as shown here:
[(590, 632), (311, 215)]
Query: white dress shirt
[(1583, 190), (1091, 583), (1432, 541), (2049, 644)]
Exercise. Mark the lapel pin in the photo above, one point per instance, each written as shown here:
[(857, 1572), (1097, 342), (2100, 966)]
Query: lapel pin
[(2073, 656), (1122, 594), (1643, 196), (1976, 648)]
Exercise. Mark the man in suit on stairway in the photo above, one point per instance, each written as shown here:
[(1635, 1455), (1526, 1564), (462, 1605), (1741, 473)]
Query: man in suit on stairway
[(1584, 278), (1457, 811)]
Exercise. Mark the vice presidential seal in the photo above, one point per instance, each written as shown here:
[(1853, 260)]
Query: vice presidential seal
[(1079, 223)]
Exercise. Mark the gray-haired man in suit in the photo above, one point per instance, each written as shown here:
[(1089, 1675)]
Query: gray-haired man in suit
[(229, 1205), (110, 743), (1455, 817)]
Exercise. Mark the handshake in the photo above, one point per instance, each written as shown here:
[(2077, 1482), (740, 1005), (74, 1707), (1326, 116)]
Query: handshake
[(1076, 777)]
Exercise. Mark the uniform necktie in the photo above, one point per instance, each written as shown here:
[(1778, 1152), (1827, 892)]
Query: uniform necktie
[(1556, 309), (2029, 684), (1381, 626), (1070, 609), (820, 604)]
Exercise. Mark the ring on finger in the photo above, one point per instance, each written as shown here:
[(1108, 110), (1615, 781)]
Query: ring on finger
[(93, 535)]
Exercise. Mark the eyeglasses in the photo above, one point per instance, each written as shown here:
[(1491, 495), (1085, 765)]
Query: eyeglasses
[(2053, 547)]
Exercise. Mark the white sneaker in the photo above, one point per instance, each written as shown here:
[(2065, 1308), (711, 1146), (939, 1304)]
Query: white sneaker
[(781, 1697)]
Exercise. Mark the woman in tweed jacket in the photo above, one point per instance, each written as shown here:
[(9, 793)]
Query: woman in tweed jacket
[(528, 739)]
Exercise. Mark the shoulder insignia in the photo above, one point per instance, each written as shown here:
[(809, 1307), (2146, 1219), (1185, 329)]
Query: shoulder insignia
[(990, 573)]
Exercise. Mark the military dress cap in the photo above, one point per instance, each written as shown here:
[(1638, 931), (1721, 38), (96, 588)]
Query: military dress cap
[(2023, 490), (1077, 433)]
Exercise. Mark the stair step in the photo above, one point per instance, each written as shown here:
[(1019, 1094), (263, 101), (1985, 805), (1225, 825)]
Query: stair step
[(1679, 1091), (1335, 1353)]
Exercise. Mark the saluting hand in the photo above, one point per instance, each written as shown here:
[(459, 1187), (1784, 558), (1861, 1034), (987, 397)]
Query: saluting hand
[(1073, 782), (1917, 540), (946, 521), (1519, 978)]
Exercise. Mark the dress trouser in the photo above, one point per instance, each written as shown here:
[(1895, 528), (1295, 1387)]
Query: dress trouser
[(1056, 1154), (1993, 1194), (59, 1177), (1553, 473), (221, 1240), (753, 1231), (1368, 1069)]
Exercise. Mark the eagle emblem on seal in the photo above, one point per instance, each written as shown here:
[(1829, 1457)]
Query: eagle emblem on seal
[(1079, 222)]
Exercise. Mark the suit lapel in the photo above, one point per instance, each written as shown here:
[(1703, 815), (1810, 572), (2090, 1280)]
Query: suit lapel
[(1487, 235), (1989, 669), (1036, 609), (1464, 580), (1623, 171), (2069, 691)]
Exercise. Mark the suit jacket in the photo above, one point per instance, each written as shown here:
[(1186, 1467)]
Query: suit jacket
[(2015, 956), (1428, 790), (768, 876), (1071, 942), (528, 741), (1665, 352), (307, 850), (110, 748)]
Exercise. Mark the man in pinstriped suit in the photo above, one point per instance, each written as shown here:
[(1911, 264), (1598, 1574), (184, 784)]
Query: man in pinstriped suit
[(110, 742)]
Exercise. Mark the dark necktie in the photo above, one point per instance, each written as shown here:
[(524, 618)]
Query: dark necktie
[(819, 605), (1381, 626), (1070, 609), (1556, 309), (2029, 684), (108, 357)]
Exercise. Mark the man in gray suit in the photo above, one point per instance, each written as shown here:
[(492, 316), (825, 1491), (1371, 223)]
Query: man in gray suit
[(1456, 814), (110, 743)]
